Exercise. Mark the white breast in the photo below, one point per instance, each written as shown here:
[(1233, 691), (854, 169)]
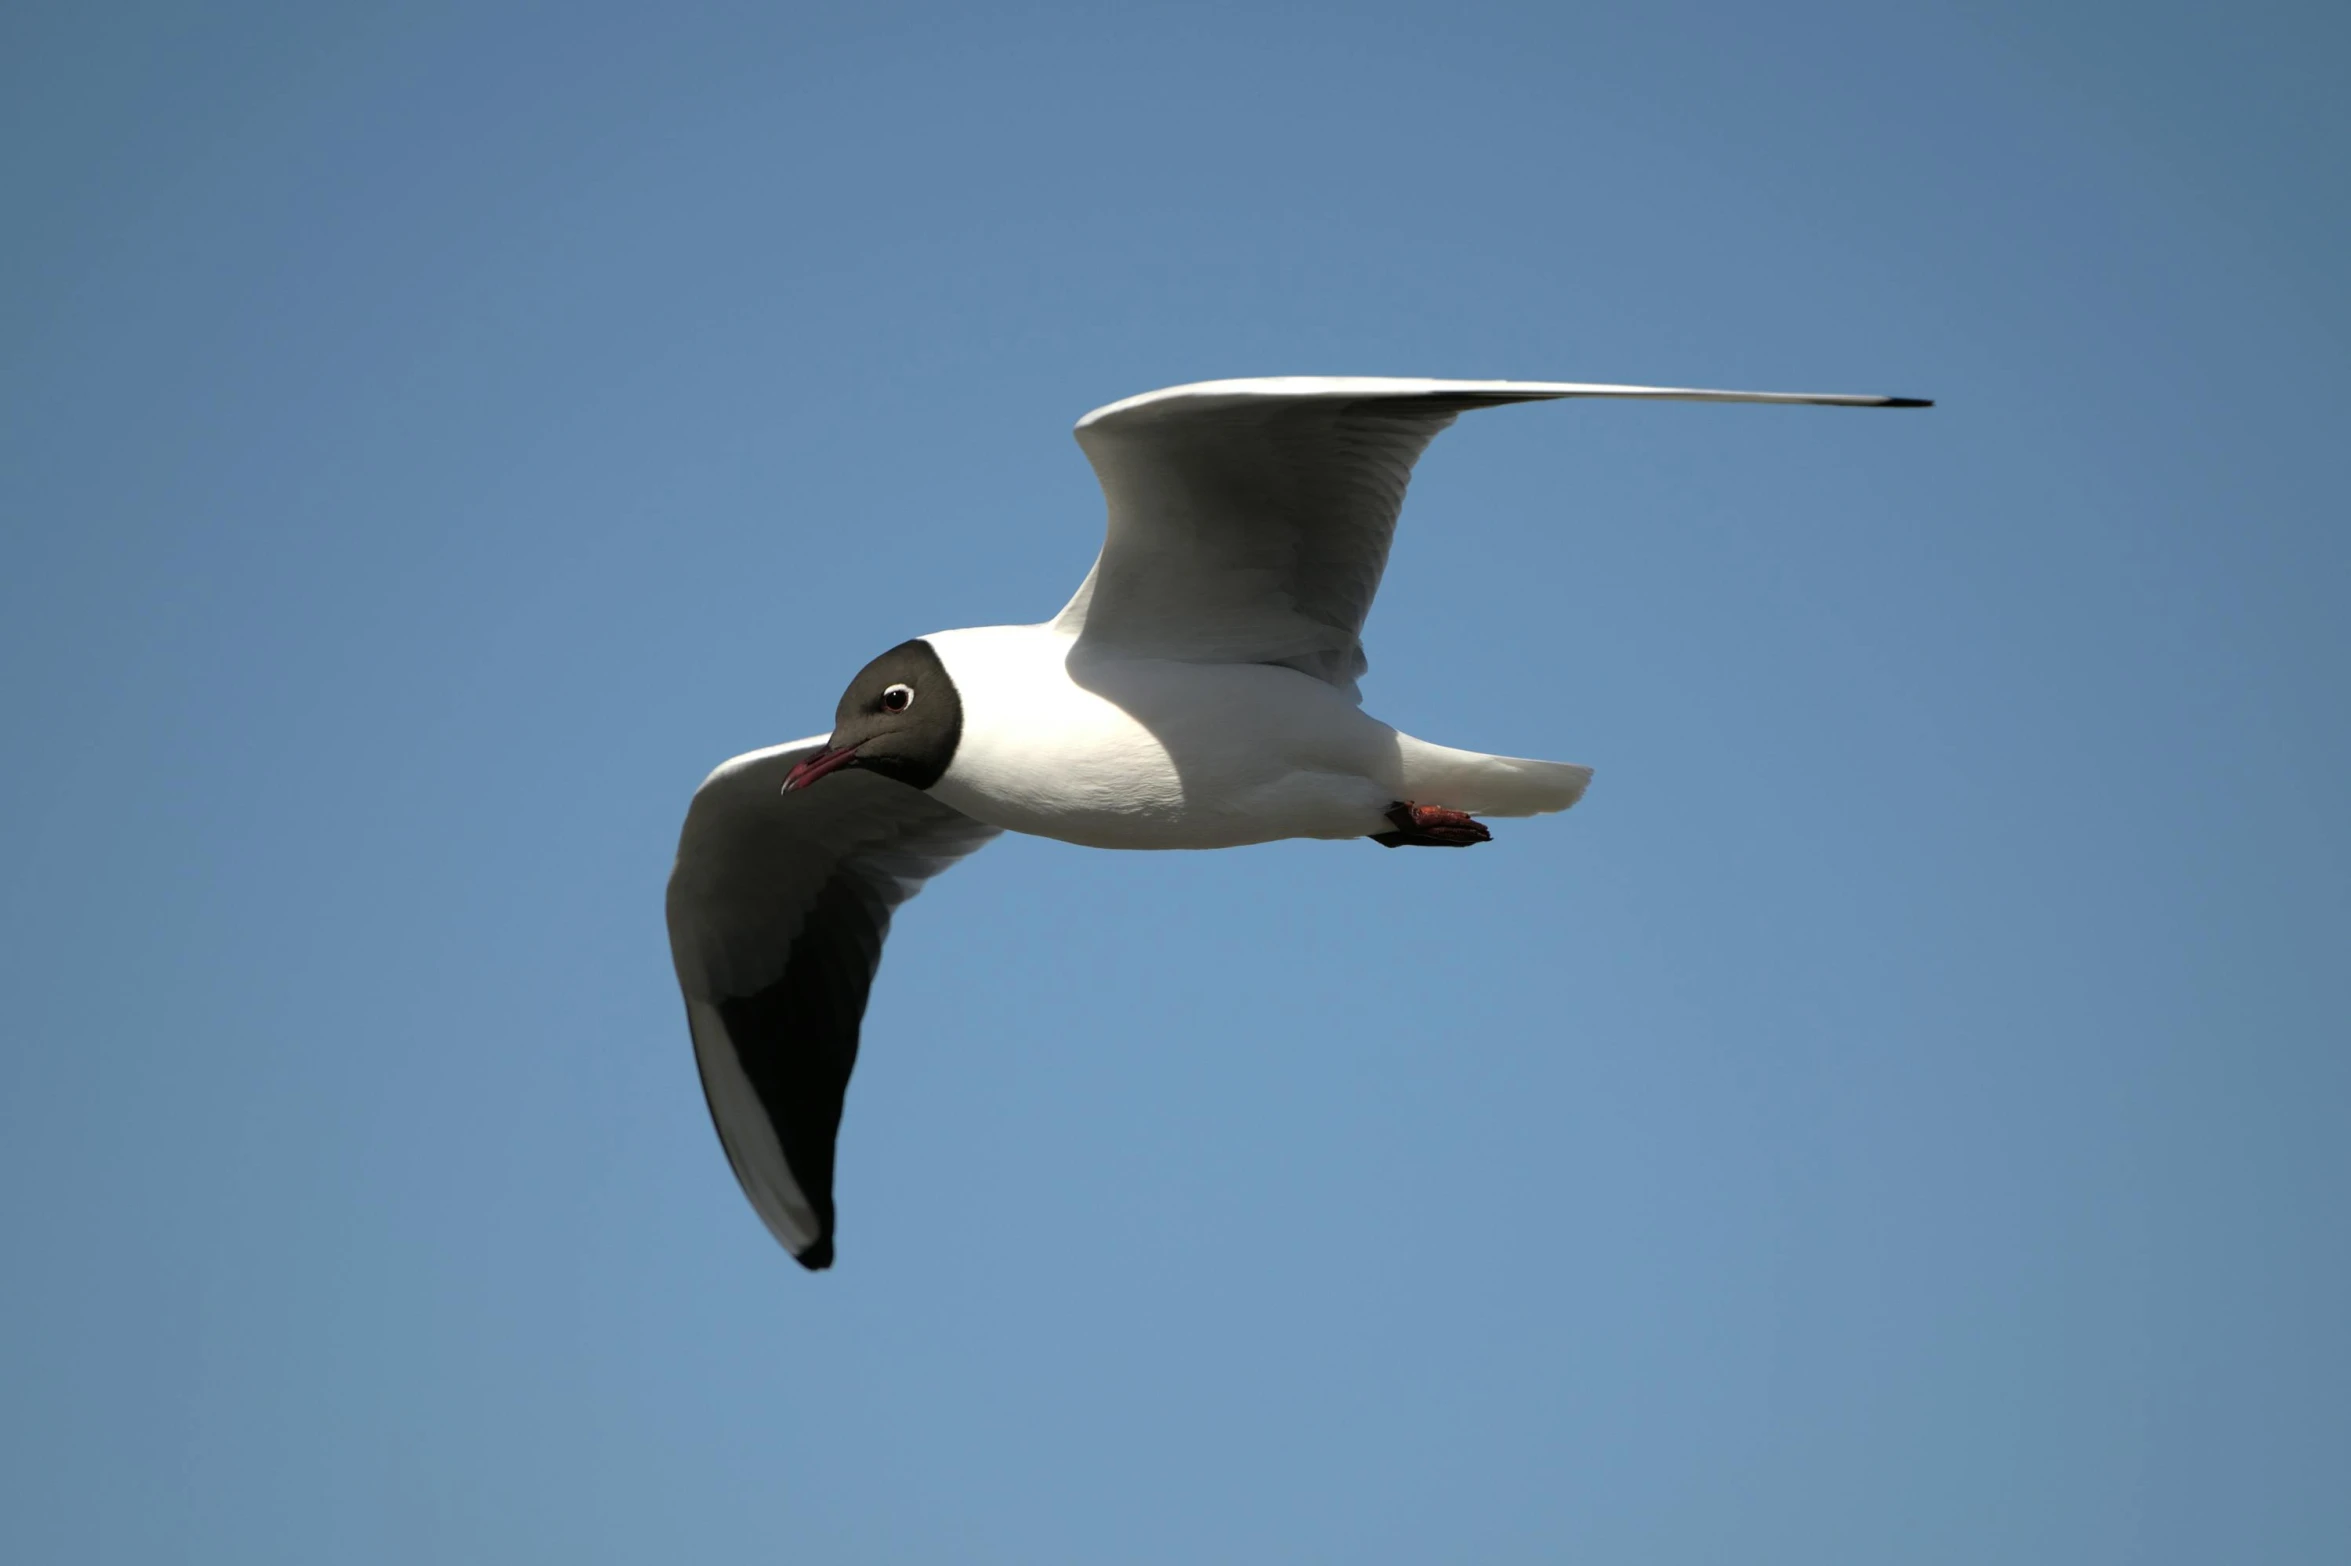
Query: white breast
[(1147, 753)]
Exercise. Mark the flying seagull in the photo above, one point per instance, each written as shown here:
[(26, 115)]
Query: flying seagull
[(1198, 692)]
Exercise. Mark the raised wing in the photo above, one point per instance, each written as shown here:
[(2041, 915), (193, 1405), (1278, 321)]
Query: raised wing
[(1250, 520), (777, 910)]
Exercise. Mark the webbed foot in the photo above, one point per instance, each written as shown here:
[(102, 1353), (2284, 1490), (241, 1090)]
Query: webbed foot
[(1431, 826)]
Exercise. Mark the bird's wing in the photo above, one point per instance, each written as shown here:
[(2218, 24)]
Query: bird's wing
[(1250, 520), (777, 910)]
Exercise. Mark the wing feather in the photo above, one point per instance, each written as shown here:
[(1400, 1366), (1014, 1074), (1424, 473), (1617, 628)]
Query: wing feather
[(777, 912), (1250, 520)]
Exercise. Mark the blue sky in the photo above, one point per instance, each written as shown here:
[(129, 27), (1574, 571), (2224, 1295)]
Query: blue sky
[(1899, 1115)]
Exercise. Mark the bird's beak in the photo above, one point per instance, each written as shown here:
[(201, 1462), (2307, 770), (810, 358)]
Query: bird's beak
[(817, 766)]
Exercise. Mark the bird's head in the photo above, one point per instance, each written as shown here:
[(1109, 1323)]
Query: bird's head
[(901, 717)]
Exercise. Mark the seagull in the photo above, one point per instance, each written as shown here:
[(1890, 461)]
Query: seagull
[(1199, 691)]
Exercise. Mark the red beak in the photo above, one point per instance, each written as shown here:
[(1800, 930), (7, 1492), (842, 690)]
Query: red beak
[(817, 766)]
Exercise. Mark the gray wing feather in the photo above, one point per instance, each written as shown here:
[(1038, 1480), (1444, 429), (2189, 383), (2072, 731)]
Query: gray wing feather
[(1250, 520), (777, 911)]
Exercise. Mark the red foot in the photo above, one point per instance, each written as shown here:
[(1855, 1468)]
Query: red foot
[(1431, 826)]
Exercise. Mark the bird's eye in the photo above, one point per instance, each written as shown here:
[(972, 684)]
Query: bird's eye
[(898, 698)]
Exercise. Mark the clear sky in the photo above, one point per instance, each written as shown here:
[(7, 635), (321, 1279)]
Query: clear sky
[(1899, 1116)]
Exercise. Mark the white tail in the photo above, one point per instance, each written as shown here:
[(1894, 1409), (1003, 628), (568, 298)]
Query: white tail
[(1488, 785)]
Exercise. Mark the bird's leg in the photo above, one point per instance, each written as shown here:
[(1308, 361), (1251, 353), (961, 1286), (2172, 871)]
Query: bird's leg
[(1431, 826)]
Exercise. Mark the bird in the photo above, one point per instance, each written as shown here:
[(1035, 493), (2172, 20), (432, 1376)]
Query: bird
[(1199, 691)]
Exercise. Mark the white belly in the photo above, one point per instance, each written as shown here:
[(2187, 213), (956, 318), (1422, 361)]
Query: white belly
[(1151, 754)]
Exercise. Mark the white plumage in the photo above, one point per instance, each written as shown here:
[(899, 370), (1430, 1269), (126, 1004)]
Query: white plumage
[(1109, 751), (1199, 691)]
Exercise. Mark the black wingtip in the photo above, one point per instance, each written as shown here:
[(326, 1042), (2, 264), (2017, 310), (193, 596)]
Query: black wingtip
[(1908, 402), (818, 1256)]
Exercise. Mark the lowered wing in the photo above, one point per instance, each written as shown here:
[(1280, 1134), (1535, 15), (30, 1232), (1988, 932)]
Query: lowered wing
[(777, 910)]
